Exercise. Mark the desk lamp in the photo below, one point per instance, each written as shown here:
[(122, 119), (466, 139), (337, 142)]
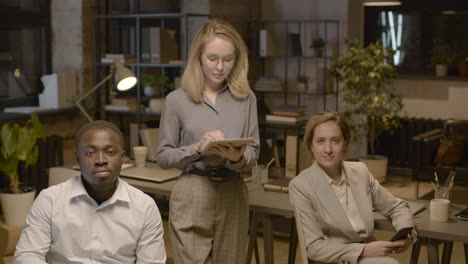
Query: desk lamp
[(124, 77)]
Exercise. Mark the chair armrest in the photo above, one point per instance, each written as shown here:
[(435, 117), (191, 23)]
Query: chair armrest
[(429, 135), (9, 236)]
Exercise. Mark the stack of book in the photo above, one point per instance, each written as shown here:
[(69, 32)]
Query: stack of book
[(288, 114), (268, 83), (110, 57), (122, 104)]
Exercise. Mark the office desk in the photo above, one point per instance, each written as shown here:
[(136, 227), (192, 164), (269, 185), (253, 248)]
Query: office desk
[(266, 205)]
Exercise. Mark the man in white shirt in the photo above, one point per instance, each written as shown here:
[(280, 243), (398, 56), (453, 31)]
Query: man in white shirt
[(95, 217)]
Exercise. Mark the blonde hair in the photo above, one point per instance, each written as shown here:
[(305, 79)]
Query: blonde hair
[(193, 79), (321, 118)]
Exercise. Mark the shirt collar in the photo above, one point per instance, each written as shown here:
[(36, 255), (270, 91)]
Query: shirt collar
[(343, 178), (120, 194)]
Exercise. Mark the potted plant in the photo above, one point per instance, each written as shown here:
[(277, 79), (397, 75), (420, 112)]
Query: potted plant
[(18, 144), (441, 57), (371, 101), (160, 84), (317, 45)]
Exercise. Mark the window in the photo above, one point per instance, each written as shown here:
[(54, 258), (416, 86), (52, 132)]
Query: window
[(421, 32), (24, 50)]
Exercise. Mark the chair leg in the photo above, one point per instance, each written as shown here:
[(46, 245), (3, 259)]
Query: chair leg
[(292, 243), (257, 256), (447, 253), (465, 246), (415, 251), (253, 239), (433, 251)]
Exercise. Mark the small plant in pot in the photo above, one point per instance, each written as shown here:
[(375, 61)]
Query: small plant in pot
[(371, 101), (317, 45), (18, 144), (442, 57), (160, 84)]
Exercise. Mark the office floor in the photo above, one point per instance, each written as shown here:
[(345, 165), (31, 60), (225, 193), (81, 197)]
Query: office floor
[(401, 187)]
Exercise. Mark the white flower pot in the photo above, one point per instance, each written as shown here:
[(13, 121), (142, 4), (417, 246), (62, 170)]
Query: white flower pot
[(16, 206), (441, 70), (377, 166)]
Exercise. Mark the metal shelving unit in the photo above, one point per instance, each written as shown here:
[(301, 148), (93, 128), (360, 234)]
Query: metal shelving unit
[(105, 25), (281, 31), (324, 27)]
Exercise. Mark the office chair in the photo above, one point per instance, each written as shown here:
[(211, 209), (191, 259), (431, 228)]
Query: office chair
[(300, 236)]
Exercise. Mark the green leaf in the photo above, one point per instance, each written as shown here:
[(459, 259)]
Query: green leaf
[(37, 125), (32, 157)]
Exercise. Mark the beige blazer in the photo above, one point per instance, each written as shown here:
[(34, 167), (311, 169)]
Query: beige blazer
[(329, 236)]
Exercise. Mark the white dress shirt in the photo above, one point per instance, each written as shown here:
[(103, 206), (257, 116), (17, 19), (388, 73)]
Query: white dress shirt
[(345, 196), (65, 225)]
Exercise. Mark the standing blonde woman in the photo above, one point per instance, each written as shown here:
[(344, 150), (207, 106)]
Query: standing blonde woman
[(336, 197), (208, 217)]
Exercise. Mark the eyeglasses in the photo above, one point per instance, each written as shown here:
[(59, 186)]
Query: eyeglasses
[(213, 60)]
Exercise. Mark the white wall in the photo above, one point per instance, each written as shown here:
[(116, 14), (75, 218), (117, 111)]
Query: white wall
[(67, 37), (434, 98)]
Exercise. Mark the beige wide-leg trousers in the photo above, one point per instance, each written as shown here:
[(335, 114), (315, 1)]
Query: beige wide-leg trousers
[(208, 221)]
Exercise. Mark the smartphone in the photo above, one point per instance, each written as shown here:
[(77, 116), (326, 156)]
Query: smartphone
[(462, 214), (402, 234)]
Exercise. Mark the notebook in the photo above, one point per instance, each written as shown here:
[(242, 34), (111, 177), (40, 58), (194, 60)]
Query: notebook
[(153, 174)]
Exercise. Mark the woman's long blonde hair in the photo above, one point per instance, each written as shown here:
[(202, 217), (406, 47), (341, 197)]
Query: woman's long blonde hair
[(193, 78)]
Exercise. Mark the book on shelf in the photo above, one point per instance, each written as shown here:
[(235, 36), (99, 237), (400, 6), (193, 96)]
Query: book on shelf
[(123, 57), (268, 84), (176, 62), (124, 101), (163, 47), (149, 138), (286, 119), (289, 110), (134, 135), (277, 185), (294, 44), (120, 108), (290, 160)]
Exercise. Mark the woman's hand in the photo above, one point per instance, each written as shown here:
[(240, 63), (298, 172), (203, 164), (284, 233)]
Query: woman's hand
[(381, 248), (232, 153), (209, 136), (405, 244)]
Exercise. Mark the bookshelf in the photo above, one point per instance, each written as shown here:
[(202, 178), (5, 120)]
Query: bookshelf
[(137, 35), (282, 52)]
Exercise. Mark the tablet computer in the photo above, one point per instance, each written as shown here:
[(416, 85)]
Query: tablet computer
[(236, 142), (402, 234)]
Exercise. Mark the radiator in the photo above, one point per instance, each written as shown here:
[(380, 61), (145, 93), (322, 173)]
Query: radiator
[(397, 146)]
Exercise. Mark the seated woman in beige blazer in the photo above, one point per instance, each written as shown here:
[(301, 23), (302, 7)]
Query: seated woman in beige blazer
[(335, 199)]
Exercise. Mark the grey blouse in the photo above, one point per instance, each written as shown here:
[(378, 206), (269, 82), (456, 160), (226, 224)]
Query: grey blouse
[(184, 122)]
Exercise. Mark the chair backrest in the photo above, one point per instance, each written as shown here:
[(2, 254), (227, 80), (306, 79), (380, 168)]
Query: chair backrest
[(60, 174), (300, 236)]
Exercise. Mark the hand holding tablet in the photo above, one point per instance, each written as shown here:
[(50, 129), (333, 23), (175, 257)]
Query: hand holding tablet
[(234, 142)]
